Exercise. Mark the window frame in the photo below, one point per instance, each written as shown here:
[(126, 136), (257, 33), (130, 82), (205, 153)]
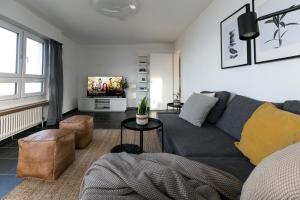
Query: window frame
[(18, 88), (29, 80), (19, 58), (20, 77), (37, 39)]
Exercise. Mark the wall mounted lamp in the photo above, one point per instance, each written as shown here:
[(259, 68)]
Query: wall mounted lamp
[(248, 22)]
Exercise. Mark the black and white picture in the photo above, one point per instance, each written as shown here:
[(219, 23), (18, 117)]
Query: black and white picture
[(279, 36), (234, 52)]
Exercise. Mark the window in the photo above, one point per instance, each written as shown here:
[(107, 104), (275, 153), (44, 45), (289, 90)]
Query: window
[(8, 51), (8, 89), (34, 57), (22, 70), (33, 87)]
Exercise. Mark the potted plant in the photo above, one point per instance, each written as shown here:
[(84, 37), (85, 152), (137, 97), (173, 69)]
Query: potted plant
[(176, 101), (142, 115), (124, 86)]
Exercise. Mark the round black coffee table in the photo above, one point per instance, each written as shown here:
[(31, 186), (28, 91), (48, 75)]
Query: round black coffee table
[(177, 107), (131, 124)]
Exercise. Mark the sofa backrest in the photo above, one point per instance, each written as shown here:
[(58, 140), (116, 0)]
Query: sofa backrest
[(237, 113), (292, 106)]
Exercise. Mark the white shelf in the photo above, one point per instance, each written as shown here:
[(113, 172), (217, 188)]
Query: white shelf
[(142, 72), (143, 81), (142, 90)]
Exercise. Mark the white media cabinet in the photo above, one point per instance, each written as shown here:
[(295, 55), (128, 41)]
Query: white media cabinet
[(104, 104)]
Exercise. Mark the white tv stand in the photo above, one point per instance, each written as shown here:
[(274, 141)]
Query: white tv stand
[(105, 104)]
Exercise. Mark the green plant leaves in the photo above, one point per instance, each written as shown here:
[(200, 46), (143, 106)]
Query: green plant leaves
[(142, 108)]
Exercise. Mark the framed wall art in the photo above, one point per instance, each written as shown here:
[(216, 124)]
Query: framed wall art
[(279, 35), (234, 52)]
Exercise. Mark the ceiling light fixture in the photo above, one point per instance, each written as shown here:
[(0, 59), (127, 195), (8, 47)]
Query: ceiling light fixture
[(121, 9)]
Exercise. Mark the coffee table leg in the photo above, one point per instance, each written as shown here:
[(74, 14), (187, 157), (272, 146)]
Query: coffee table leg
[(162, 138), (141, 141), (121, 138)]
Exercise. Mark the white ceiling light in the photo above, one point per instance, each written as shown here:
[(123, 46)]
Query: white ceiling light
[(121, 9)]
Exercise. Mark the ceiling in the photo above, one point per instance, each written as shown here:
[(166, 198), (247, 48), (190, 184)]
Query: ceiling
[(156, 21)]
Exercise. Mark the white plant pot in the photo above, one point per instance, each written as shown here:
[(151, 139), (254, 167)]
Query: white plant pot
[(142, 119), (176, 102)]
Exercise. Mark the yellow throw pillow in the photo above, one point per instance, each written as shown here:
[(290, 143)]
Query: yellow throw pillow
[(268, 130)]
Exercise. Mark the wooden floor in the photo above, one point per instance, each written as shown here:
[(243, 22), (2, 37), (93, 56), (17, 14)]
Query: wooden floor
[(68, 185)]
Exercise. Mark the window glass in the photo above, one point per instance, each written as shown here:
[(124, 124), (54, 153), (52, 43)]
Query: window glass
[(33, 87), (8, 89), (34, 57), (8, 51)]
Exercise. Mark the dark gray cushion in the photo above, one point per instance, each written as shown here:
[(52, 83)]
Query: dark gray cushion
[(240, 167), (217, 111), (184, 139), (237, 114), (292, 106)]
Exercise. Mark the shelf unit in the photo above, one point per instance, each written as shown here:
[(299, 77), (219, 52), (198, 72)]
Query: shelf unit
[(142, 86)]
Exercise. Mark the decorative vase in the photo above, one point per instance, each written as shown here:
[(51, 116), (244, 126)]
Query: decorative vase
[(142, 119), (176, 102)]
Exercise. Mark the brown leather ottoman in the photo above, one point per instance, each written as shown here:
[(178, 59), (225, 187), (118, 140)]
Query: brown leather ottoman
[(83, 126), (46, 154)]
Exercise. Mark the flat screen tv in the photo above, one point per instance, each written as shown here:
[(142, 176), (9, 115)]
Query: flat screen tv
[(105, 86)]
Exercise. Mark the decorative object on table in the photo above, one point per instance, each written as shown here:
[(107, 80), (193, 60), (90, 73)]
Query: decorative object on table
[(142, 115), (276, 29), (176, 101), (234, 52), (124, 86), (131, 124)]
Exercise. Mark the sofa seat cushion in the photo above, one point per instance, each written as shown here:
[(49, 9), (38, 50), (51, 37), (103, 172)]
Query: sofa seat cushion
[(188, 140), (240, 167)]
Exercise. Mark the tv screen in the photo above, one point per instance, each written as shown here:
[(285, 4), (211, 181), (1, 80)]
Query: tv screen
[(104, 86)]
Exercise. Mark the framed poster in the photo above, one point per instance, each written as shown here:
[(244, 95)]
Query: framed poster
[(279, 36), (234, 52)]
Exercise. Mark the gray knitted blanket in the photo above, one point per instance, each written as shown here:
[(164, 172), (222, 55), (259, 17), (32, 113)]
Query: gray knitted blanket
[(155, 176)]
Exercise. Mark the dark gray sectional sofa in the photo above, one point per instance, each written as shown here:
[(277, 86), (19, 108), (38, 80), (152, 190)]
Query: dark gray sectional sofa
[(213, 143)]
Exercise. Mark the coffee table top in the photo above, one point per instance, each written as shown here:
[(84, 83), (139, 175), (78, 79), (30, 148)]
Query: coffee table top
[(131, 124), (175, 106)]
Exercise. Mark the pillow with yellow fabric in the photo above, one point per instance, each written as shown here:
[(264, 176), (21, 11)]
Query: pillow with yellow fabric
[(269, 129)]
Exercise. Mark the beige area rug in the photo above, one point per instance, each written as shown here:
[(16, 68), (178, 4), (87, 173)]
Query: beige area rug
[(68, 185)]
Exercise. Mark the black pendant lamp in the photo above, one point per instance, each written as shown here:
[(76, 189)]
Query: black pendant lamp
[(248, 26)]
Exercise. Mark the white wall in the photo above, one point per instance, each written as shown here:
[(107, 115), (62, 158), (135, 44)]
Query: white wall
[(15, 11), (201, 62), (115, 60), (71, 65)]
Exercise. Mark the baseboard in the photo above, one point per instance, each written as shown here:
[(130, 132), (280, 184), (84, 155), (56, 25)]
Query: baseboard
[(74, 110)]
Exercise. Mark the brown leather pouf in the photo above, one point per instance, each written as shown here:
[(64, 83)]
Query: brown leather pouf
[(83, 125), (46, 154)]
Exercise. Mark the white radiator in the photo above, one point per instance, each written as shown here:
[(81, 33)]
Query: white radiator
[(14, 123)]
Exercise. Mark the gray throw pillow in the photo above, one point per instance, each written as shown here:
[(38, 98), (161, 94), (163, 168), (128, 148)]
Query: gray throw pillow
[(217, 111), (277, 177), (237, 113), (292, 106), (196, 108)]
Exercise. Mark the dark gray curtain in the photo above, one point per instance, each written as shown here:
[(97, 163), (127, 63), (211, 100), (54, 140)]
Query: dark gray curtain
[(55, 64)]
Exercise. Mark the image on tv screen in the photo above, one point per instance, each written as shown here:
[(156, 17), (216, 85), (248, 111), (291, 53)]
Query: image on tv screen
[(102, 86)]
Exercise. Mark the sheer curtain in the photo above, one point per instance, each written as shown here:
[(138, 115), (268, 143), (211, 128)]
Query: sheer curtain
[(55, 66)]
